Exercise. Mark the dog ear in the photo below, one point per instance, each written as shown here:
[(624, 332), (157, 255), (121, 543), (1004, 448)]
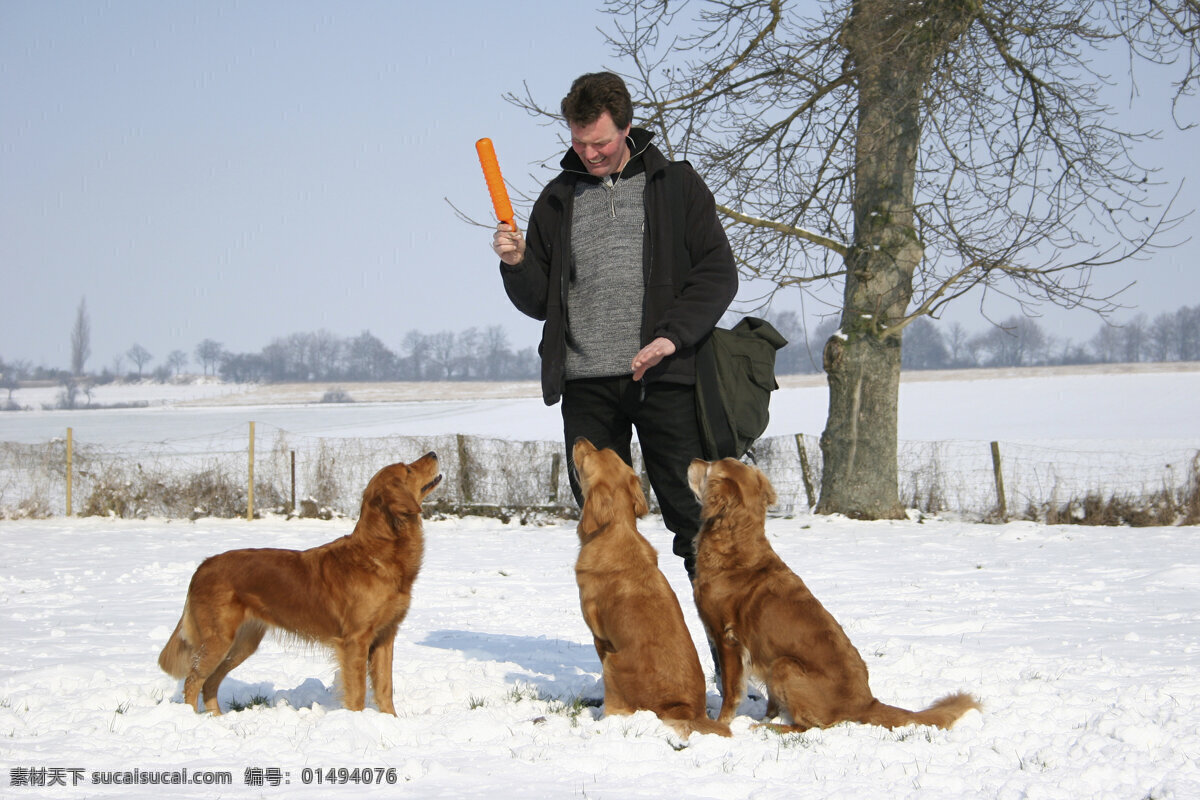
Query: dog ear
[(697, 475), (597, 509), (402, 504), (721, 491), (395, 501), (768, 491), (640, 507)]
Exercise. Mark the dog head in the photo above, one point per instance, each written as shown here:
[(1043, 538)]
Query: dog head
[(609, 485), (722, 486), (397, 490)]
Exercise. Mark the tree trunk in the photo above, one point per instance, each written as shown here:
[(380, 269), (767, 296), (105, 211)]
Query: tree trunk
[(859, 475), (892, 48)]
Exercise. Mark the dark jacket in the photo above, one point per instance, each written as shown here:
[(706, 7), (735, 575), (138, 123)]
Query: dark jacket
[(681, 302)]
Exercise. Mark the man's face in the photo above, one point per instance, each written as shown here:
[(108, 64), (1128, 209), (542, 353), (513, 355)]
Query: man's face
[(601, 145)]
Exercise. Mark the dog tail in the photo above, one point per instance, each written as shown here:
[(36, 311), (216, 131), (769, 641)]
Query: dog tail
[(176, 657), (942, 714), (686, 727)]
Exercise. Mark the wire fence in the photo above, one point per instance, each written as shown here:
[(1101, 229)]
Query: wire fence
[(323, 476)]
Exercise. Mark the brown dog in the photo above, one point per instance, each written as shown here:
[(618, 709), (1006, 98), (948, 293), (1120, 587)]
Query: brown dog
[(351, 594), (646, 654), (762, 616)]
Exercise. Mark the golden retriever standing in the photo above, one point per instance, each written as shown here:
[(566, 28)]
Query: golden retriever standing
[(646, 653), (351, 594), (762, 616)]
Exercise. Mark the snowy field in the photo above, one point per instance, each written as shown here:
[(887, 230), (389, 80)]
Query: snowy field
[(1144, 402), (1082, 644)]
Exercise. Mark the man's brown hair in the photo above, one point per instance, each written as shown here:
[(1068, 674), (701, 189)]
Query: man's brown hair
[(593, 94)]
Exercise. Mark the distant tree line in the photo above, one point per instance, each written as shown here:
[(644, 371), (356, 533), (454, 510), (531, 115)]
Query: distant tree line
[(1015, 342), (486, 355), (469, 355)]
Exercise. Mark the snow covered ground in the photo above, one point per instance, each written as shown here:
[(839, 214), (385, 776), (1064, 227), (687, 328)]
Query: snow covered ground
[(1142, 402), (1082, 644)]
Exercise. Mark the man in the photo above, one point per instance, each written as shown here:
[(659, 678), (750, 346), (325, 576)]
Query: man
[(625, 295)]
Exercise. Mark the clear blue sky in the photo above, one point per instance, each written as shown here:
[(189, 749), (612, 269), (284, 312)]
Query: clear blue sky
[(241, 171)]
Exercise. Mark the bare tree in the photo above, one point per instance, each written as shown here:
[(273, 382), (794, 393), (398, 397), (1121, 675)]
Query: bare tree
[(1187, 340), (1160, 339), (68, 395), (176, 361), (140, 356), (418, 347), (324, 354), (1105, 344), (495, 352), (1015, 342), (81, 338), (468, 354), (208, 353), (906, 154), (791, 360), (1134, 339), (9, 382), (368, 358), (286, 358), (924, 347), (442, 349), (961, 353)]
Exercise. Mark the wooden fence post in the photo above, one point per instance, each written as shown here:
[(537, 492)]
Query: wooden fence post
[(70, 469), (464, 470), (1002, 504), (555, 469), (805, 472), (292, 505), (250, 489)]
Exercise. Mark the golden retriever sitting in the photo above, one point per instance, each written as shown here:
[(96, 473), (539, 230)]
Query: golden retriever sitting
[(646, 653), (762, 616), (351, 594)]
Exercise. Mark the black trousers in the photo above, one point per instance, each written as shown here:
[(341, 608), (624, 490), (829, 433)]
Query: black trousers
[(607, 410)]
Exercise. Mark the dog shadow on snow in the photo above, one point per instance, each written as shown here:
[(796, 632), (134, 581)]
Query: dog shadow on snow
[(553, 668), (236, 695), (556, 669)]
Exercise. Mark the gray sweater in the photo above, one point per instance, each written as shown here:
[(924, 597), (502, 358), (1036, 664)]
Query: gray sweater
[(604, 299)]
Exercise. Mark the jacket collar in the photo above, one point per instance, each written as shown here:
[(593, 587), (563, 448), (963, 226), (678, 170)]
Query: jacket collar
[(643, 157)]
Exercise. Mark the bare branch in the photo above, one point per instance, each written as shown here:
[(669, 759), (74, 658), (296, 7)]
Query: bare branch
[(1024, 186), (800, 233)]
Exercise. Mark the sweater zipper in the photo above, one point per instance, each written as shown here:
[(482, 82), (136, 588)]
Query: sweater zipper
[(610, 186)]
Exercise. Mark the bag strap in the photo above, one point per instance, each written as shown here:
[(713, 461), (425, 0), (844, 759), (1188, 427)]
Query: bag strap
[(715, 425), (714, 422)]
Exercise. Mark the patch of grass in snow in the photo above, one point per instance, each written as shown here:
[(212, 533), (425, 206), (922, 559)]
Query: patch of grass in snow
[(913, 732), (257, 701), (6, 702), (1034, 763), (522, 691), (572, 707), (784, 740)]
